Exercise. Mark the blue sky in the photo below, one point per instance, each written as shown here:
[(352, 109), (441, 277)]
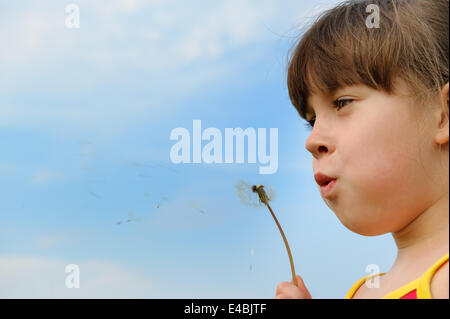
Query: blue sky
[(85, 120)]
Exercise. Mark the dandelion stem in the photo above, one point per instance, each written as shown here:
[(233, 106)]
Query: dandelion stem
[(263, 198), (294, 279)]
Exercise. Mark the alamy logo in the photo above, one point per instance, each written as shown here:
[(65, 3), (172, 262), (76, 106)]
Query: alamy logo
[(212, 151), (374, 279), (73, 16), (373, 20), (73, 279)]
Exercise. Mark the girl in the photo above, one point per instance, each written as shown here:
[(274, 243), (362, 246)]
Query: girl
[(371, 79)]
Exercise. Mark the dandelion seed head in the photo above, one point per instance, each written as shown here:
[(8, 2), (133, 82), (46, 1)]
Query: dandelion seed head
[(247, 194)]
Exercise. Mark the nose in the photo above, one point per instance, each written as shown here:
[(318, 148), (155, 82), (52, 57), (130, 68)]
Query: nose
[(319, 142)]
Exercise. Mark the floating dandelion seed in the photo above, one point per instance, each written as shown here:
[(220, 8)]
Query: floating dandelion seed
[(95, 194), (245, 191), (252, 252), (163, 198), (194, 206), (131, 217), (138, 164)]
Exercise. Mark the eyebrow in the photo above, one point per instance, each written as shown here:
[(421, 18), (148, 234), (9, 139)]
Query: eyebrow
[(330, 94)]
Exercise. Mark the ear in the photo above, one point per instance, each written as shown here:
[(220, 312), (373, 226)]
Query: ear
[(442, 132)]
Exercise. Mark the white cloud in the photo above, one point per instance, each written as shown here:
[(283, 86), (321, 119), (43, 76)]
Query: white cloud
[(155, 34), (19, 46), (152, 47), (174, 29), (41, 277)]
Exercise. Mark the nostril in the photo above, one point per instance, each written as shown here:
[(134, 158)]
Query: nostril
[(322, 148)]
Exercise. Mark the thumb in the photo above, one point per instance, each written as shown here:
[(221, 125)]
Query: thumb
[(301, 285), (298, 280)]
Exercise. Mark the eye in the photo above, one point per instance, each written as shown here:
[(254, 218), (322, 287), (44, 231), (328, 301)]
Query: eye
[(336, 103), (310, 124)]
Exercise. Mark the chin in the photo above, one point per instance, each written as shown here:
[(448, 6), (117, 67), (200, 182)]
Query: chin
[(361, 227)]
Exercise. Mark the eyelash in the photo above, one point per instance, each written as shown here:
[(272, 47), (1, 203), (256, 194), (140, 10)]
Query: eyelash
[(311, 122)]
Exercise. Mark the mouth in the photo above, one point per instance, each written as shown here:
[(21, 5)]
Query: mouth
[(327, 188), (326, 183), (323, 180)]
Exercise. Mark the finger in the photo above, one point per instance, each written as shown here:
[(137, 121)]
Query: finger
[(302, 286), (300, 281), (282, 286), (289, 290)]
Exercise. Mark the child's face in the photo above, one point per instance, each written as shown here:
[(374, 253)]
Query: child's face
[(373, 147)]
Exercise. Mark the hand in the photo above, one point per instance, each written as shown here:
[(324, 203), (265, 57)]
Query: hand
[(287, 290)]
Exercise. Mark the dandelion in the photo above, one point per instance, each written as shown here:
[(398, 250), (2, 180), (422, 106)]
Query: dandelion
[(243, 189), (246, 194)]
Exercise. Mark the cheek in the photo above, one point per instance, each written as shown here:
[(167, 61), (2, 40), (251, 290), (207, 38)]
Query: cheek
[(380, 179), (381, 159)]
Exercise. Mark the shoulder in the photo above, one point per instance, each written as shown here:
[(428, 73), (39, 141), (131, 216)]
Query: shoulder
[(439, 284), (361, 289)]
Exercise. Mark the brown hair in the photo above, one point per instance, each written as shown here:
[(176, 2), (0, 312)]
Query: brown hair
[(339, 49)]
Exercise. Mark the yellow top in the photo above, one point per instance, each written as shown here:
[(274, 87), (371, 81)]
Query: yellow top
[(421, 285)]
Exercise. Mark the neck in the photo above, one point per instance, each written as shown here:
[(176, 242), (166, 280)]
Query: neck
[(427, 235)]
